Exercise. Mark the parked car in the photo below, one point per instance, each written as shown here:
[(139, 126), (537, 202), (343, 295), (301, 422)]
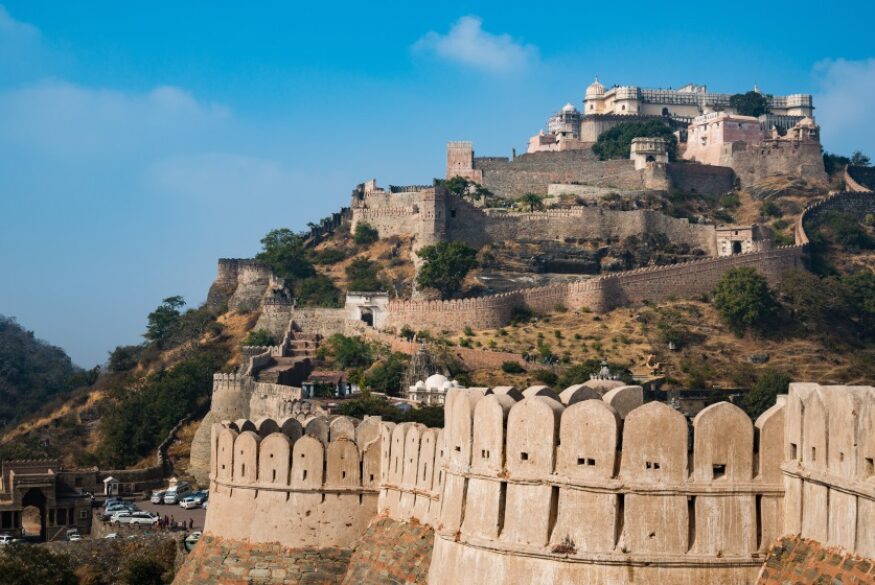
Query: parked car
[(194, 500), (6, 539), (204, 506), (75, 537), (158, 496), (175, 494), (112, 536), (112, 510), (134, 518), (191, 540)]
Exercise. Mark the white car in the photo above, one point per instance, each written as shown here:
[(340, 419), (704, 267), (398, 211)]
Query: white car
[(158, 496), (190, 502), (6, 539), (112, 536), (74, 537), (134, 518)]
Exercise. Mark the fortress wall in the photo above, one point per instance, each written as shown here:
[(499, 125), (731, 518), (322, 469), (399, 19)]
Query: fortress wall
[(272, 400), (239, 283), (753, 163), (521, 476), (325, 322), (270, 485), (275, 318), (829, 467), (410, 485), (472, 358), (701, 179), (860, 178)]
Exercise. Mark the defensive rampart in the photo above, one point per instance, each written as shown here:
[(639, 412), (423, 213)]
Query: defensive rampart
[(241, 283), (829, 468), (860, 178), (312, 485), (659, 507), (793, 158)]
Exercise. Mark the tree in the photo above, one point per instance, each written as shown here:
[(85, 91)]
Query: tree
[(365, 234), (284, 252), (34, 565), (386, 375), (363, 275), (833, 163), (124, 358), (762, 395), (752, 103), (162, 320), (348, 352), (744, 300), (617, 141), (445, 266), (144, 571), (510, 367), (532, 200), (858, 159)]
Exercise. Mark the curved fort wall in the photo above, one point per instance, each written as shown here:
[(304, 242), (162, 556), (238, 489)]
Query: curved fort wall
[(311, 485), (537, 492)]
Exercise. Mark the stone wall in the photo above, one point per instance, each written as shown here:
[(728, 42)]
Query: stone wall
[(829, 466), (474, 359), (860, 178), (792, 158), (314, 485), (662, 504), (531, 173), (391, 552), (219, 561), (794, 560), (710, 181), (241, 283)]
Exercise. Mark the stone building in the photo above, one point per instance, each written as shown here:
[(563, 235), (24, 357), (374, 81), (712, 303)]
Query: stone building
[(645, 151), (432, 391), (742, 239)]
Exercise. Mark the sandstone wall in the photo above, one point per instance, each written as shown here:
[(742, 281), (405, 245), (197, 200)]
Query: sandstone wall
[(860, 178), (241, 283), (324, 322), (792, 158), (391, 552), (697, 179), (521, 476), (829, 466), (794, 560), (314, 485)]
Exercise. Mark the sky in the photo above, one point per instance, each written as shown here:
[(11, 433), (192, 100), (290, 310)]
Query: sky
[(140, 142)]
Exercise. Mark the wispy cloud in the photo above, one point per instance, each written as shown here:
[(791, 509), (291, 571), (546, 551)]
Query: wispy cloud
[(844, 104), (468, 44)]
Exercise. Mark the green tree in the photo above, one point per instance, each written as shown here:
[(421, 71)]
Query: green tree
[(744, 300), (752, 103), (124, 358), (617, 141), (532, 200), (858, 159), (348, 352), (834, 163), (363, 275), (365, 234), (259, 337), (284, 252), (445, 266), (762, 395), (34, 565), (317, 291), (162, 321), (386, 375)]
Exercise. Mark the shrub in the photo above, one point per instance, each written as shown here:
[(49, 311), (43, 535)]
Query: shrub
[(545, 376), (386, 375), (617, 141), (329, 256), (752, 103), (520, 315), (845, 230), (762, 395), (468, 331), (348, 352), (259, 337), (124, 358), (34, 565), (365, 234), (363, 275), (744, 300), (512, 368), (771, 209)]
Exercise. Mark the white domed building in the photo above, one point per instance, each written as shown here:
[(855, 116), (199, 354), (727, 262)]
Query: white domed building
[(432, 391)]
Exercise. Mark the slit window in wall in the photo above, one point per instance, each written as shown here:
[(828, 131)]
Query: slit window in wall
[(651, 465), (342, 475), (813, 454), (424, 471), (274, 476), (869, 467), (243, 470), (793, 451), (718, 470), (458, 448), (304, 477), (524, 456), (841, 456)]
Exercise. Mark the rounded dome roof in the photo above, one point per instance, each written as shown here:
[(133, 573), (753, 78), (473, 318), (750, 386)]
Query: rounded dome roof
[(568, 108), (436, 381), (595, 88)]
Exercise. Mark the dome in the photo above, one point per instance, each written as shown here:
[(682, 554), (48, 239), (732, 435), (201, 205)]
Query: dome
[(446, 385), (455, 384), (420, 385), (806, 121), (436, 381), (568, 108), (595, 89)]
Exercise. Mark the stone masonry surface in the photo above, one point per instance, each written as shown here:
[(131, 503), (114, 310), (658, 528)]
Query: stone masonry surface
[(795, 561), (217, 561), (391, 552)]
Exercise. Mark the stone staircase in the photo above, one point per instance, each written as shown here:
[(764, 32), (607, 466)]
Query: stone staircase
[(290, 367)]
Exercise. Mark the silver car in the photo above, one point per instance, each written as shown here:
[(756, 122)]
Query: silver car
[(134, 518)]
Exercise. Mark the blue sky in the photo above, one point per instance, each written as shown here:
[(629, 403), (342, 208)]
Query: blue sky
[(138, 145)]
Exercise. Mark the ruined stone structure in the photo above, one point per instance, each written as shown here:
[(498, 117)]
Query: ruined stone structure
[(507, 481)]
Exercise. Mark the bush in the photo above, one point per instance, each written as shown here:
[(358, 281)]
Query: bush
[(318, 291), (545, 376), (617, 141), (845, 231), (34, 565), (431, 416), (752, 103), (348, 352), (744, 300), (259, 337), (512, 368), (445, 266), (365, 234), (124, 358), (363, 275), (386, 375), (329, 256), (762, 395), (771, 209)]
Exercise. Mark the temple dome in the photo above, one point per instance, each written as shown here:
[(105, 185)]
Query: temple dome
[(595, 89), (568, 108), (436, 381)]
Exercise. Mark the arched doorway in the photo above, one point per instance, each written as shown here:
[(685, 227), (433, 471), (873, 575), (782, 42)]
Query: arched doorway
[(736, 247), (33, 514), (367, 316)]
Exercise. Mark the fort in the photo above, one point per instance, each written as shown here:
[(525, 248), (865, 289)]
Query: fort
[(506, 482)]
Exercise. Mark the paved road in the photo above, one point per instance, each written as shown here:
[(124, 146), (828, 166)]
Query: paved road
[(178, 513)]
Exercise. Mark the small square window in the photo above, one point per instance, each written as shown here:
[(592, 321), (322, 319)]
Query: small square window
[(524, 456), (718, 470)]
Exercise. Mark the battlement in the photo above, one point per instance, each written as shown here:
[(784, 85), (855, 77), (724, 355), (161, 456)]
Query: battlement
[(299, 485), (521, 475)]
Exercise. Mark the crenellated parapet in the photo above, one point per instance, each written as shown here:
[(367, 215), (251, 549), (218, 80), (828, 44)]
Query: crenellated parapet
[(312, 484), (535, 487), (829, 468)]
